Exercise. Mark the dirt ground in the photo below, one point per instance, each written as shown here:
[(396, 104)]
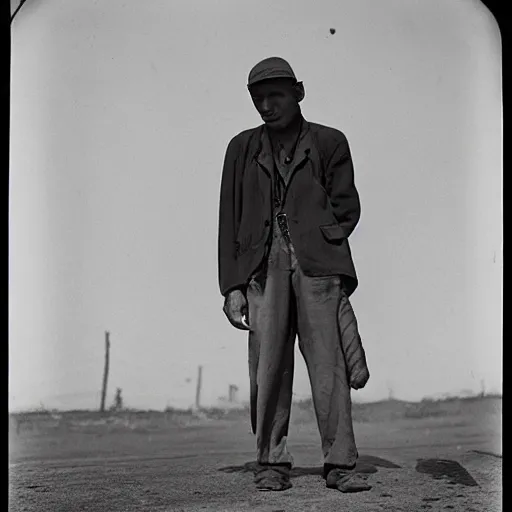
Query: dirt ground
[(126, 465)]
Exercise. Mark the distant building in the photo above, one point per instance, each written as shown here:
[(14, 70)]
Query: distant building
[(233, 393), (231, 401)]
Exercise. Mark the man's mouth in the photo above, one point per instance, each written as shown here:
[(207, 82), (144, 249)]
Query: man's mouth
[(270, 119)]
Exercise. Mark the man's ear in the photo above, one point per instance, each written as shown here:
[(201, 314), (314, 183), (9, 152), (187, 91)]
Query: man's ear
[(299, 91)]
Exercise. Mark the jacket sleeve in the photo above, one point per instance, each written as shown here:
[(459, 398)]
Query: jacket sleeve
[(341, 188), (227, 252)]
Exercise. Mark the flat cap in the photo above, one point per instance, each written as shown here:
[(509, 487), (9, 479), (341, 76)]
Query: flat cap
[(272, 67)]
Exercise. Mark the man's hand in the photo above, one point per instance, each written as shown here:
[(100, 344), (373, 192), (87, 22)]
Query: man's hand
[(235, 308)]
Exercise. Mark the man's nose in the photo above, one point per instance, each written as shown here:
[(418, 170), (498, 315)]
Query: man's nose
[(266, 106)]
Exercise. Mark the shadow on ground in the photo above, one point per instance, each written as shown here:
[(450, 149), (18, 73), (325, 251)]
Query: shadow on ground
[(365, 464), (449, 470)]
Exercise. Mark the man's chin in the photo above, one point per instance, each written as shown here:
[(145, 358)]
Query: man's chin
[(276, 125)]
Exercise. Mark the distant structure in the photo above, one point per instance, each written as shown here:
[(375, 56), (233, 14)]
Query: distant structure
[(233, 393), (482, 388), (198, 387), (118, 401), (391, 395), (230, 401), (105, 372)]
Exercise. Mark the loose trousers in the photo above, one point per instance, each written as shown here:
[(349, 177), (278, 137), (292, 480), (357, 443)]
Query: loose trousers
[(285, 304)]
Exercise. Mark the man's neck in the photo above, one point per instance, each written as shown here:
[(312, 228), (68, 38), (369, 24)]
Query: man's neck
[(289, 135)]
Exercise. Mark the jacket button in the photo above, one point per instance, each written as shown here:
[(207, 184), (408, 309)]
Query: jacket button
[(267, 223)]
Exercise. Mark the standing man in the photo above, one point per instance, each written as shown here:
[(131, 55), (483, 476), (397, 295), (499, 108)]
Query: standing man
[(288, 204)]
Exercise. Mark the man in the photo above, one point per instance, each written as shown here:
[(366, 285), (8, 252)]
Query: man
[(288, 204)]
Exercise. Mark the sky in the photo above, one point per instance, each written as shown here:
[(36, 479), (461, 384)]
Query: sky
[(120, 116)]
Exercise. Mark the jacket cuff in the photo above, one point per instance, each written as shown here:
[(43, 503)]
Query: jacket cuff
[(242, 288)]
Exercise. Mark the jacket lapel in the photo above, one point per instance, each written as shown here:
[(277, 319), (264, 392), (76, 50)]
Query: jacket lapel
[(301, 154), (303, 148), (264, 155)]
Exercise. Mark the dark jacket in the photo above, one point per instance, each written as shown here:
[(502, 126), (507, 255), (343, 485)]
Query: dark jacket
[(321, 203)]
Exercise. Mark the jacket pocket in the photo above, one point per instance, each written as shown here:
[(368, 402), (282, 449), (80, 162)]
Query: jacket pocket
[(333, 232)]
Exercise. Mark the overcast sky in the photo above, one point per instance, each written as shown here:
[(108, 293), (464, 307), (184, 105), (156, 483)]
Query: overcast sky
[(121, 114)]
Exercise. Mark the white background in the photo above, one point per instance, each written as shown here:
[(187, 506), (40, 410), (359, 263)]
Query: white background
[(121, 113)]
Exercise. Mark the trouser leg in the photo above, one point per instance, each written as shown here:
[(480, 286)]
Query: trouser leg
[(271, 363), (318, 300)]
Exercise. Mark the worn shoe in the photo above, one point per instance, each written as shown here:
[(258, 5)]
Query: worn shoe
[(346, 481), (272, 478)]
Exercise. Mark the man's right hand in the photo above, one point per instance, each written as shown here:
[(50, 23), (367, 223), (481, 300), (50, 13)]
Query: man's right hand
[(235, 307)]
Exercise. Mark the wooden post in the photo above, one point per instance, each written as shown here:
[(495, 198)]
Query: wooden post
[(105, 372), (198, 389)]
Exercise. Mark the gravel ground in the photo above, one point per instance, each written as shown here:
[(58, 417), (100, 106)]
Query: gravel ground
[(208, 467)]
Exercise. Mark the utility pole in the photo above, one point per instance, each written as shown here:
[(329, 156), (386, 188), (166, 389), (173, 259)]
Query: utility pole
[(198, 389), (105, 372)]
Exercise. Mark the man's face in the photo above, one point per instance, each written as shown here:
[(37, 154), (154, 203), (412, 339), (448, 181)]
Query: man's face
[(277, 102)]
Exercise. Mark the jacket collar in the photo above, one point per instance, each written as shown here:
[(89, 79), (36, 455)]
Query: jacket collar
[(264, 156)]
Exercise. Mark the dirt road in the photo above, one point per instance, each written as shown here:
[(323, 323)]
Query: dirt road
[(207, 467)]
